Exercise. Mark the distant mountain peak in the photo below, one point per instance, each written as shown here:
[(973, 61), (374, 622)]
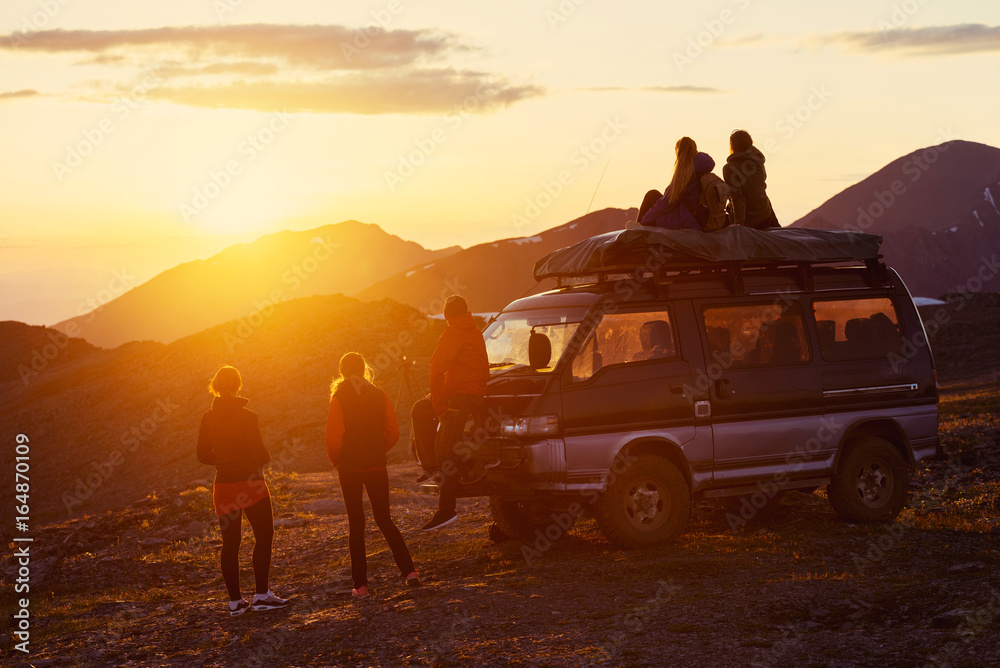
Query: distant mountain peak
[(936, 209)]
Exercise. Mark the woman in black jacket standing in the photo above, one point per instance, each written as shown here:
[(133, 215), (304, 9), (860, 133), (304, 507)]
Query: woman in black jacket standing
[(744, 173), (360, 429), (230, 440)]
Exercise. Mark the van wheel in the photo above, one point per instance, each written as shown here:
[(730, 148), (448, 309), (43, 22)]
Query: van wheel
[(649, 503), (871, 483), (520, 519)]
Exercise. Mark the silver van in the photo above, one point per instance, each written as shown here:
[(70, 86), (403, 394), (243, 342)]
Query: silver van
[(668, 366)]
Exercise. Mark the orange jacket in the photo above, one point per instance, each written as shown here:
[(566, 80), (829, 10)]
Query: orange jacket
[(459, 364), (335, 430)]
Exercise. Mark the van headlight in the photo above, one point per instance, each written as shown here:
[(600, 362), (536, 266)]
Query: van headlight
[(539, 425)]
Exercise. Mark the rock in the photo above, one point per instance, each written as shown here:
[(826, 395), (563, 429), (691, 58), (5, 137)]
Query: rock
[(195, 527), (966, 568), (819, 612), (153, 542), (947, 620), (289, 522), (325, 507), (847, 626)]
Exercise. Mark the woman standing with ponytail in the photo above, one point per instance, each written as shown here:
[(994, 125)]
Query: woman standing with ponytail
[(229, 439), (360, 430), (680, 205)]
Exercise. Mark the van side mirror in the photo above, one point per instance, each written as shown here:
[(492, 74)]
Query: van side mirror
[(539, 350)]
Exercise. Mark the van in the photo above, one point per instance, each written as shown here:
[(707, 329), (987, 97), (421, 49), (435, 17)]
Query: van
[(669, 366)]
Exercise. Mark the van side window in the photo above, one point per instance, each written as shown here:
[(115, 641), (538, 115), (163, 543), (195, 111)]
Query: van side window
[(756, 335), (857, 329), (622, 338)]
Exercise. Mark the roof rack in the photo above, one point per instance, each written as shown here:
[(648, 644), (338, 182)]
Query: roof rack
[(731, 249)]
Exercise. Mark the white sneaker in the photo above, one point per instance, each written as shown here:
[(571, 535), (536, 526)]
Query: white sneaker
[(268, 601), (237, 608)]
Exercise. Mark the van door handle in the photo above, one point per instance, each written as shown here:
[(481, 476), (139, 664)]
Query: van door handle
[(676, 388), (722, 389)]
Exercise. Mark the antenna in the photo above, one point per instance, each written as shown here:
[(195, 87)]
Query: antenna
[(599, 183)]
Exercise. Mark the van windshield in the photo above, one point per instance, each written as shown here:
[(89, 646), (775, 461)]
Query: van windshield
[(507, 337)]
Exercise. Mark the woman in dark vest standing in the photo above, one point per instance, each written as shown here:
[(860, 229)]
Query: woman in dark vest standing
[(229, 439), (360, 430)]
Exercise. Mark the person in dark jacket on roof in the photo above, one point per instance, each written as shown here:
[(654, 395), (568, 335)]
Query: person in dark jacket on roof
[(230, 440), (744, 173), (360, 429), (459, 371), (680, 205)]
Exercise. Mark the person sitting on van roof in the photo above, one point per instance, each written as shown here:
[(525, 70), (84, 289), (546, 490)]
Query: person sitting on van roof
[(680, 206), (744, 173)]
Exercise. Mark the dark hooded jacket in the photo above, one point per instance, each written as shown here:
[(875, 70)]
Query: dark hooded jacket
[(744, 173), (687, 212), (229, 439), (459, 364)]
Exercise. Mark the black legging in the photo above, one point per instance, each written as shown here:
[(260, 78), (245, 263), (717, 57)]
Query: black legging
[(231, 524), (651, 198), (352, 484)]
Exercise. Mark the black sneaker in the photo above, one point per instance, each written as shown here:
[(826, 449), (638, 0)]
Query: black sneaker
[(439, 520), (427, 475), (241, 606)]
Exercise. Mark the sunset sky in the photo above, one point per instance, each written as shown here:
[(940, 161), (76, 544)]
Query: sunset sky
[(134, 136)]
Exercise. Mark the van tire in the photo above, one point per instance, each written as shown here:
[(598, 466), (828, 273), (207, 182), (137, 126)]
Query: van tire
[(521, 519), (649, 503), (871, 483)]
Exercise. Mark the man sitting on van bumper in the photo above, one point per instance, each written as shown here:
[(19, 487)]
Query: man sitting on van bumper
[(459, 371)]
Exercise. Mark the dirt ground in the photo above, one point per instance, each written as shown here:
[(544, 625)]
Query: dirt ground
[(794, 588)]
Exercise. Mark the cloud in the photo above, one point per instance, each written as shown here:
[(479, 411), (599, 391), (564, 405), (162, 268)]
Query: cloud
[(314, 46), (680, 89), (435, 91), (652, 89), (15, 94), (312, 68), (929, 41)]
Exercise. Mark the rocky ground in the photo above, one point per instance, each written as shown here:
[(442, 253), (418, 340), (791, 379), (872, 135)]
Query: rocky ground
[(140, 586)]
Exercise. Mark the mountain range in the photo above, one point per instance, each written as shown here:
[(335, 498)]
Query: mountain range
[(937, 212), (111, 401), (250, 278)]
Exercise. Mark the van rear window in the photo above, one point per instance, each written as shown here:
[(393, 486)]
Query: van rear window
[(756, 335), (857, 329)]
